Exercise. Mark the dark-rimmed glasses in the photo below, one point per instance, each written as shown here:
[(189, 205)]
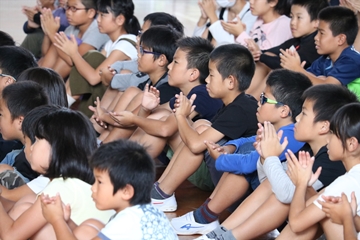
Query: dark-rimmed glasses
[(74, 9), (6, 75), (142, 51)]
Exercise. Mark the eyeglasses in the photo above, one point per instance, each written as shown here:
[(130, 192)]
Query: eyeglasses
[(264, 100), (74, 9), (142, 51), (6, 75)]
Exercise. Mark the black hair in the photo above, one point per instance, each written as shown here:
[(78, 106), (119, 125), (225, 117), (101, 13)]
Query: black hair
[(14, 60), (50, 80), (287, 87), (21, 97), (72, 139), (313, 7), (327, 99), (89, 4), (162, 18), (341, 20), (241, 66), (282, 7), (121, 7), (197, 52), (31, 119), (161, 39), (127, 163), (6, 39), (346, 123)]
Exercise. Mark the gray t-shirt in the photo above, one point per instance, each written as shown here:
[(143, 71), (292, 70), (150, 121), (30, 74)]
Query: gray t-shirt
[(92, 36)]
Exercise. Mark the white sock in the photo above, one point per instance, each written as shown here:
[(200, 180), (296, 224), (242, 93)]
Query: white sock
[(70, 99)]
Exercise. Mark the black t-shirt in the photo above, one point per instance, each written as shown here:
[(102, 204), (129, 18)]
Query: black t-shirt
[(305, 46), (23, 166), (166, 91), (330, 169), (237, 119)]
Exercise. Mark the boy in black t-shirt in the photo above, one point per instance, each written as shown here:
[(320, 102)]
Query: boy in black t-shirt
[(227, 81), (16, 101)]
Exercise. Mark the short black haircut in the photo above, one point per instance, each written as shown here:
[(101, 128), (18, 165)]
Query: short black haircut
[(31, 119), (121, 7), (126, 162), (341, 20), (346, 123), (162, 18), (14, 60), (287, 87), (50, 80), (90, 4), (6, 39), (22, 97), (72, 139), (327, 99), (197, 52), (161, 39), (282, 7), (313, 7), (235, 60)]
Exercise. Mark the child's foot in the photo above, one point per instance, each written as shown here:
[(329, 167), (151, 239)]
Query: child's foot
[(166, 205), (186, 225)]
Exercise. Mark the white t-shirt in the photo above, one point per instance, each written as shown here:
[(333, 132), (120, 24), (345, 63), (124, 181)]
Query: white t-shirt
[(77, 193), (138, 222), (38, 184), (347, 183), (124, 46)]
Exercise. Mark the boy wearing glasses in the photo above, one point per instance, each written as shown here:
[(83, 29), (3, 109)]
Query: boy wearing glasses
[(279, 103)]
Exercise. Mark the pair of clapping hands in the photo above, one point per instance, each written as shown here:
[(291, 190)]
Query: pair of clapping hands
[(54, 209)]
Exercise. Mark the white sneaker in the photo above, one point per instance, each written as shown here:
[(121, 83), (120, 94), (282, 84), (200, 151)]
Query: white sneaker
[(186, 225), (166, 205), (204, 237)]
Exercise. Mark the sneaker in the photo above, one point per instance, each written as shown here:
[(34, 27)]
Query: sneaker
[(166, 205), (186, 225), (204, 237)]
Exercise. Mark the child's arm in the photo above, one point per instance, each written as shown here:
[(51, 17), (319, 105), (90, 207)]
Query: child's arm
[(301, 216), (70, 48), (190, 136), (16, 193), (342, 212), (291, 61)]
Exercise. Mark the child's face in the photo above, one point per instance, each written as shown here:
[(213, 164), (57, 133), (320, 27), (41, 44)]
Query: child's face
[(178, 72), (102, 191), (268, 111), (107, 23), (335, 148), (40, 153), (305, 129), (300, 23), (78, 17), (9, 128), (215, 86), (325, 42), (260, 7), (146, 62)]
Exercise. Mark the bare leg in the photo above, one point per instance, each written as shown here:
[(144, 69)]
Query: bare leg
[(89, 229), (62, 67), (109, 97), (258, 82), (50, 57)]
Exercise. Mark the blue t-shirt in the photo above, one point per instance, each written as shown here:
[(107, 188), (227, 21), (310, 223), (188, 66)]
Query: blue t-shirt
[(246, 163), (345, 69), (206, 106)]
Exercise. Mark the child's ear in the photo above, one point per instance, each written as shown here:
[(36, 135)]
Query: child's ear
[(162, 61), (19, 121), (324, 127), (91, 13), (120, 20), (231, 82), (273, 3), (352, 144), (194, 75), (315, 23), (341, 39), (285, 112), (127, 192)]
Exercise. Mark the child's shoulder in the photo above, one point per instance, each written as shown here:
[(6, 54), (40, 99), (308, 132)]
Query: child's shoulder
[(350, 53)]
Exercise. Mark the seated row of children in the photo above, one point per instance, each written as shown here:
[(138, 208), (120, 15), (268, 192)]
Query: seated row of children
[(228, 82)]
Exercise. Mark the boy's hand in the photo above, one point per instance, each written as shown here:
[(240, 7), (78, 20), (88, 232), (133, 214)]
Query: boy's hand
[(270, 141), (99, 113), (215, 150), (234, 27), (184, 106), (209, 8), (354, 5), (258, 139), (300, 171), (107, 75), (123, 118), (68, 46), (337, 211), (291, 60), (29, 12), (253, 48), (52, 208), (49, 24), (151, 98)]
